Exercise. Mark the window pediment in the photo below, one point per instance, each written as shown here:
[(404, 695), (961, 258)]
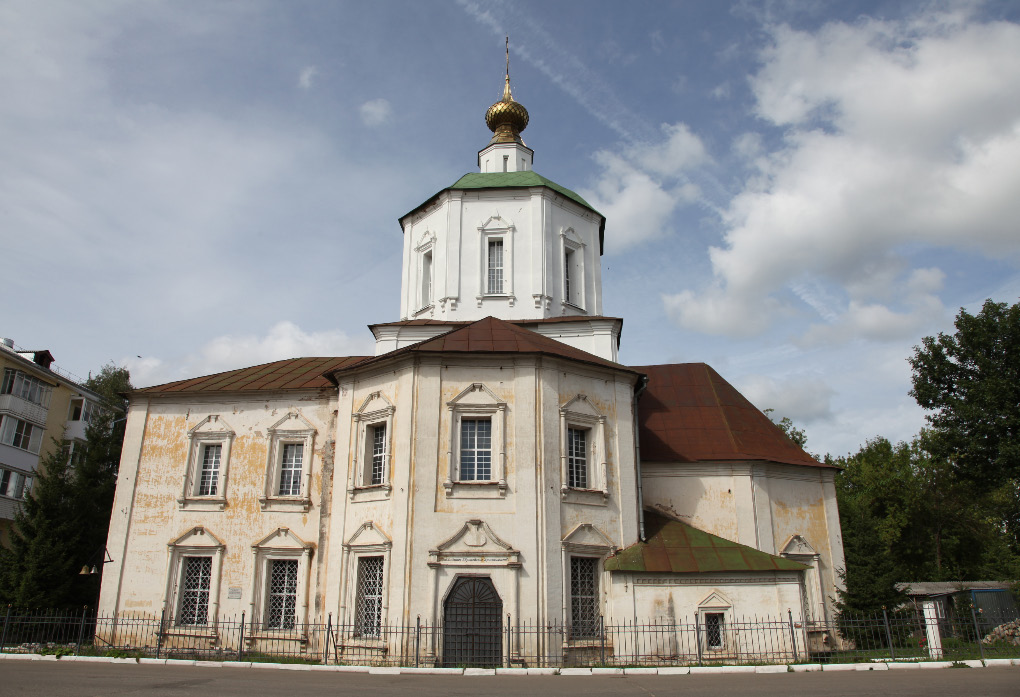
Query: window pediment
[(282, 538), (797, 546), (197, 536), (369, 535), (588, 538), (715, 601), (474, 544)]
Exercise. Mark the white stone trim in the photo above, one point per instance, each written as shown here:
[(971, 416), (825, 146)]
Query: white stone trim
[(195, 542), (292, 428), (212, 430), (280, 544), (477, 401), (496, 228), (579, 412), (375, 410)]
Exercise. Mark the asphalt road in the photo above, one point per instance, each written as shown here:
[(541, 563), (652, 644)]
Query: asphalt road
[(37, 678)]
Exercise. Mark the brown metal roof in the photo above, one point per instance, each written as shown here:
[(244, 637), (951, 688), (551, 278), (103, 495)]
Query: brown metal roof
[(289, 374), (492, 335), (689, 413), (677, 547)]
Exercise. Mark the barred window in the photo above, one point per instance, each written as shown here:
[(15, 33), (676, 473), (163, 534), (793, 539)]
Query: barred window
[(584, 597), (290, 469), (378, 454), (495, 267), (714, 629), (475, 450), (368, 603), (210, 474), (577, 458), (282, 596), (194, 594)]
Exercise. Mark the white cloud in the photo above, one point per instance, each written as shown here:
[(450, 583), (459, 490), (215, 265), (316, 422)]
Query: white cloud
[(640, 186), (307, 76), (229, 352), (896, 133), (375, 112), (803, 399)]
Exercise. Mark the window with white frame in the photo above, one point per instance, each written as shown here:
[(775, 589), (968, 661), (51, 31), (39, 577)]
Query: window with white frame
[(582, 450), (192, 591), (496, 260), (584, 597), (478, 451), (282, 562), (25, 386), (426, 279), (573, 268), (368, 599), (205, 477), (577, 457), (292, 460), (712, 617), (371, 471), (193, 597), (21, 434), (475, 450), (14, 484), (494, 268), (288, 471)]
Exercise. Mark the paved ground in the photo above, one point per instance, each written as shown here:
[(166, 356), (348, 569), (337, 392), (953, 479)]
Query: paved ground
[(32, 678)]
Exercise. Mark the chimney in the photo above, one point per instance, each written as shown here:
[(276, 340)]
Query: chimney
[(9, 343), (43, 358)]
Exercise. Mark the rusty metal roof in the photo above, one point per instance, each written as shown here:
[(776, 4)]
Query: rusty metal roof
[(289, 374), (677, 547), (689, 413), (492, 335)]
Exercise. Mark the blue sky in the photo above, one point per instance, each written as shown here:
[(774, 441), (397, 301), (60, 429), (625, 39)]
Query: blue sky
[(796, 192)]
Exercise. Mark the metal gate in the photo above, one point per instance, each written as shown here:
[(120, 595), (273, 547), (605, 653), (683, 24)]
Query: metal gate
[(472, 624)]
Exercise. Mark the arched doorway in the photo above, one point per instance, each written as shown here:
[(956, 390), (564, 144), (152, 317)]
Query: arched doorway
[(472, 624)]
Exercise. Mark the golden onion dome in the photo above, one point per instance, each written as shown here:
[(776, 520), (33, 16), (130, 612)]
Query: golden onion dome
[(506, 118)]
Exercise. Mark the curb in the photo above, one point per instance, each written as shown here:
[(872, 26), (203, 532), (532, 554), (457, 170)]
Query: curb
[(476, 672)]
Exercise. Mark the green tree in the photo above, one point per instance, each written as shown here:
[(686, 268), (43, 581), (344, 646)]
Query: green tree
[(63, 524), (787, 426), (970, 382)]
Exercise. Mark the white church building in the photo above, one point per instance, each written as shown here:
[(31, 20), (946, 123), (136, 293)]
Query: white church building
[(491, 466)]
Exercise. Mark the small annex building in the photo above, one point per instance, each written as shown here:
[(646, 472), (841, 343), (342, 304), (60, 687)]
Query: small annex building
[(493, 462)]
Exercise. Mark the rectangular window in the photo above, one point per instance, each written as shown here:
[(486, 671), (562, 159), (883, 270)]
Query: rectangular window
[(714, 630), (378, 473), (25, 386), (584, 597), (290, 469), (74, 412), (210, 474), (13, 484), (475, 450), (577, 458), (568, 261), (368, 603), (426, 279), (495, 267), (194, 596), (282, 600), (21, 434)]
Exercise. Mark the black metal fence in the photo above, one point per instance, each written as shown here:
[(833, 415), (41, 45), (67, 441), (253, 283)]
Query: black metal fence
[(706, 639)]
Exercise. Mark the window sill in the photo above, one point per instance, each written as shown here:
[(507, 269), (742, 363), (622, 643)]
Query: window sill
[(475, 490), (585, 497), (284, 504), (375, 492), (509, 297), (423, 310), (277, 635), (574, 306), (212, 503), (203, 631)]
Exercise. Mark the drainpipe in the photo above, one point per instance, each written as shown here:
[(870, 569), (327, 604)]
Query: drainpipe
[(638, 390)]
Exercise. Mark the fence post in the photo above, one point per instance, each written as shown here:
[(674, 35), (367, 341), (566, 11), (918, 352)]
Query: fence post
[(240, 642), (81, 629), (888, 634), (977, 633), (329, 633), (793, 633), (159, 632), (697, 634), (3, 638), (417, 640), (602, 639), (507, 640)]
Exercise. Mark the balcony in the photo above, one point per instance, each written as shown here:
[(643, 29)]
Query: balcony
[(23, 409)]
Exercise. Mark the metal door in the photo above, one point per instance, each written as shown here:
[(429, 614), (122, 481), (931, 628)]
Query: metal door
[(472, 624)]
